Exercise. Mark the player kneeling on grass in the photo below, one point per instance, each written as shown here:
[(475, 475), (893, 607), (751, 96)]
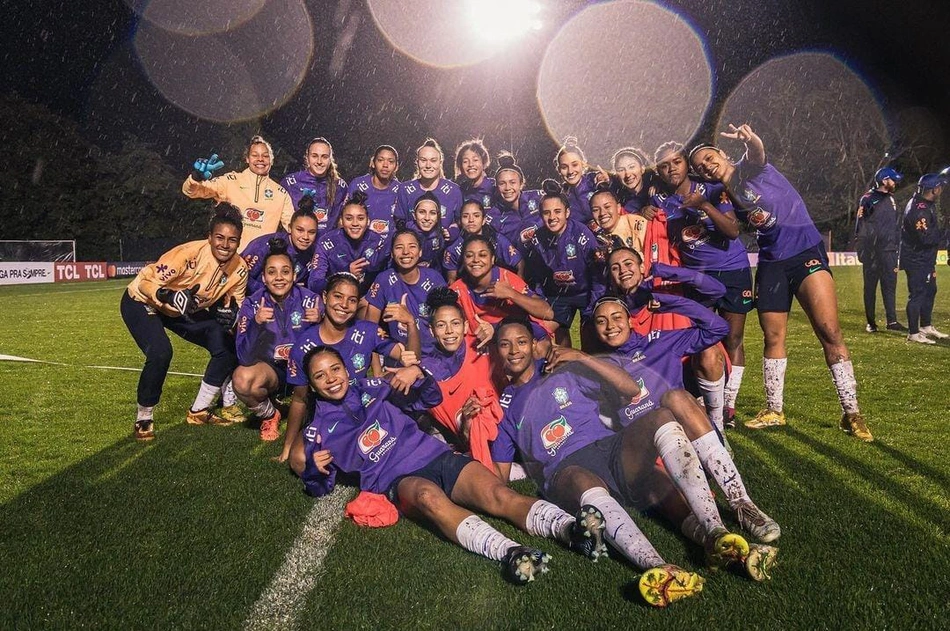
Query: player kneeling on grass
[(266, 331), (656, 363), (193, 290), (361, 427), (554, 421)]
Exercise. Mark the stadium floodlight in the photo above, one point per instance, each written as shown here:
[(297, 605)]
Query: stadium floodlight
[(499, 22)]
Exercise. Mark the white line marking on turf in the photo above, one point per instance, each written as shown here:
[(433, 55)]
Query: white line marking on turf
[(68, 291), (283, 600), (14, 358)]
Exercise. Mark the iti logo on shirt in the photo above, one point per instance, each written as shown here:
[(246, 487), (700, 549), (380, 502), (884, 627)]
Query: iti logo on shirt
[(371, 437), (554, 434), (644, 392)]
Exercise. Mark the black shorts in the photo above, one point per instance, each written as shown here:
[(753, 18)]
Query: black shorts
[(566, 307), (443, 471), (777, 281), (738, 297), (602, 458)]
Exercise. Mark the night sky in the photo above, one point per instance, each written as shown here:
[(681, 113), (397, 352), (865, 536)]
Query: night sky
[(77, 59)]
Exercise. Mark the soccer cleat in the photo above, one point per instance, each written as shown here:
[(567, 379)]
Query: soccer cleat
[(723, 548), (587, 534), (662, 585), (522, 564), (920, 338), (232, 413), (270, 427), (756, 523), (871, 328), (930, 331), (729, 418), (766, 418), (204, 417), (144, 430), (760, 561), (896, 326), (853, 423)]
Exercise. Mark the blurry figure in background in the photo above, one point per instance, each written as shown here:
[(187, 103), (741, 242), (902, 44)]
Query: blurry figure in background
[(472, 221), (321, 181), (380, 187), (471, 164), (195, 291), (877, 230), (299, 242), (430, 178), (920, 237), (792, 263), (267, 327), (264, 204)]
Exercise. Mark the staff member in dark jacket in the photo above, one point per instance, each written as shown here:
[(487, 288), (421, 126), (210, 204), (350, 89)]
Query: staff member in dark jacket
[(878, 234), (920, 237)]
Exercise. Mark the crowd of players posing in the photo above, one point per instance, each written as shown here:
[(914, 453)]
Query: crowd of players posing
[(459, 299)]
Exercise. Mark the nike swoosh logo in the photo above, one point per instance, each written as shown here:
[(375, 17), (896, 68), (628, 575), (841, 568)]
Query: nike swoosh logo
[(333, 427), (518, 424), (746, 301), (812, 270)]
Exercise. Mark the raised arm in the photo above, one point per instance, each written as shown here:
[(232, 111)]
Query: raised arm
[(755, 150)]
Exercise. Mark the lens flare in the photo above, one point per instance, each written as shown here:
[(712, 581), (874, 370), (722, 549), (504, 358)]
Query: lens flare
[(821, 124), (235, 75), (187, 17), (624, 73)]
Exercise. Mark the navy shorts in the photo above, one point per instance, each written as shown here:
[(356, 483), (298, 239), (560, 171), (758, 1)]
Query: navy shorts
[(776, 282), (443, 471), (602, 458), (738, 297), (566, 307)]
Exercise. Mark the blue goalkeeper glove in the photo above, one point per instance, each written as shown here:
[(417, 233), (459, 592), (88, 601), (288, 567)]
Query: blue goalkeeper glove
[(204, 168)]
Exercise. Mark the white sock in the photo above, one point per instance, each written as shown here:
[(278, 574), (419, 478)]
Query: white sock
[(719, 464), (713, 398), (228, 396), (773, 371), (264, 409), (621, 532), (731, 392), (144, 413), (547, 520), (847, 386), (693, 530), (683, 466), (206, 396), (475, 535)]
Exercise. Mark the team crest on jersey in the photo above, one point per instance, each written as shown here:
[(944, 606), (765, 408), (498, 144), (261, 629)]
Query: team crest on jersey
[(282, 352), (644, 392), (435, 243), (571, 251), (750, 197), (368, 252), (372, 437), (505, 400), (761, 219), (223, 281), (268, 193), (411, 188), (365, 399), (442, 211), (295, 318), (297, 269), (359, 362), (253, 214), (486, 201), (423, 310), (562, 398), (921, 224), (532, 205), (554, 434)]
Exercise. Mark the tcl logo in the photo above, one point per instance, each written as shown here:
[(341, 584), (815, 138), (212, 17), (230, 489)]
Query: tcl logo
[(80, 271)]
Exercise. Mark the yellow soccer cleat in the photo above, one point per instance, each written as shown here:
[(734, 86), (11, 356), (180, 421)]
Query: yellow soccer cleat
[(723, 548), (760, 561), (232, 413), (766, 418), (204, 417), (662, 585), (853, 423)]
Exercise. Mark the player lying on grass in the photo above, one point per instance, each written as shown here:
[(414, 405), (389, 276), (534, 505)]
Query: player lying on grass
[(792, 262), (362, 427), (656, 363), (554, 422), (268, 324), (193, 290)]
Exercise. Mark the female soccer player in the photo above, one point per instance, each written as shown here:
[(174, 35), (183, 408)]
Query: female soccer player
[(351, 248), (612, 221), (430, 178), (554, 422), (267, 327), (264, 204), (656, 363), (561, 261), (515, 212), (299, 242), (321, 181), (193, 290), (356, 340), (488, 293), (578, 180), (361, 427), (471, 164), (380, 186), (630, 167), (792, 262), (425, 223), (472, 221), (400, 292)]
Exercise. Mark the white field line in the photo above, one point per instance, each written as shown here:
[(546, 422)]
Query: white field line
[(14, 358), (68, 291), (281, 603)]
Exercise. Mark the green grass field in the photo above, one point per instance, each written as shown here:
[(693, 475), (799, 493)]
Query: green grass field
[(189, 531)]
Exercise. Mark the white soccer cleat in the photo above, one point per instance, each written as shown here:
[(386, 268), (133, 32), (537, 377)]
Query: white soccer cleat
[(919, 338), (930, 331)]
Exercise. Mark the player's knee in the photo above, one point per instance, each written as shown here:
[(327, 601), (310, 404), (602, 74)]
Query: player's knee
[(160, 354), (297, 461), (428, 499), (243, 380)]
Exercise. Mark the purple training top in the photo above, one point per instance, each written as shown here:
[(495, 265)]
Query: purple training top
[(380, 204), (562, 265), (579, 196), (511, 222), (390, 287), (506, 254), (272, 341), (335, 251), (362, 339), (255, 252), (481, 193), (450, 203), (327, 214)]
